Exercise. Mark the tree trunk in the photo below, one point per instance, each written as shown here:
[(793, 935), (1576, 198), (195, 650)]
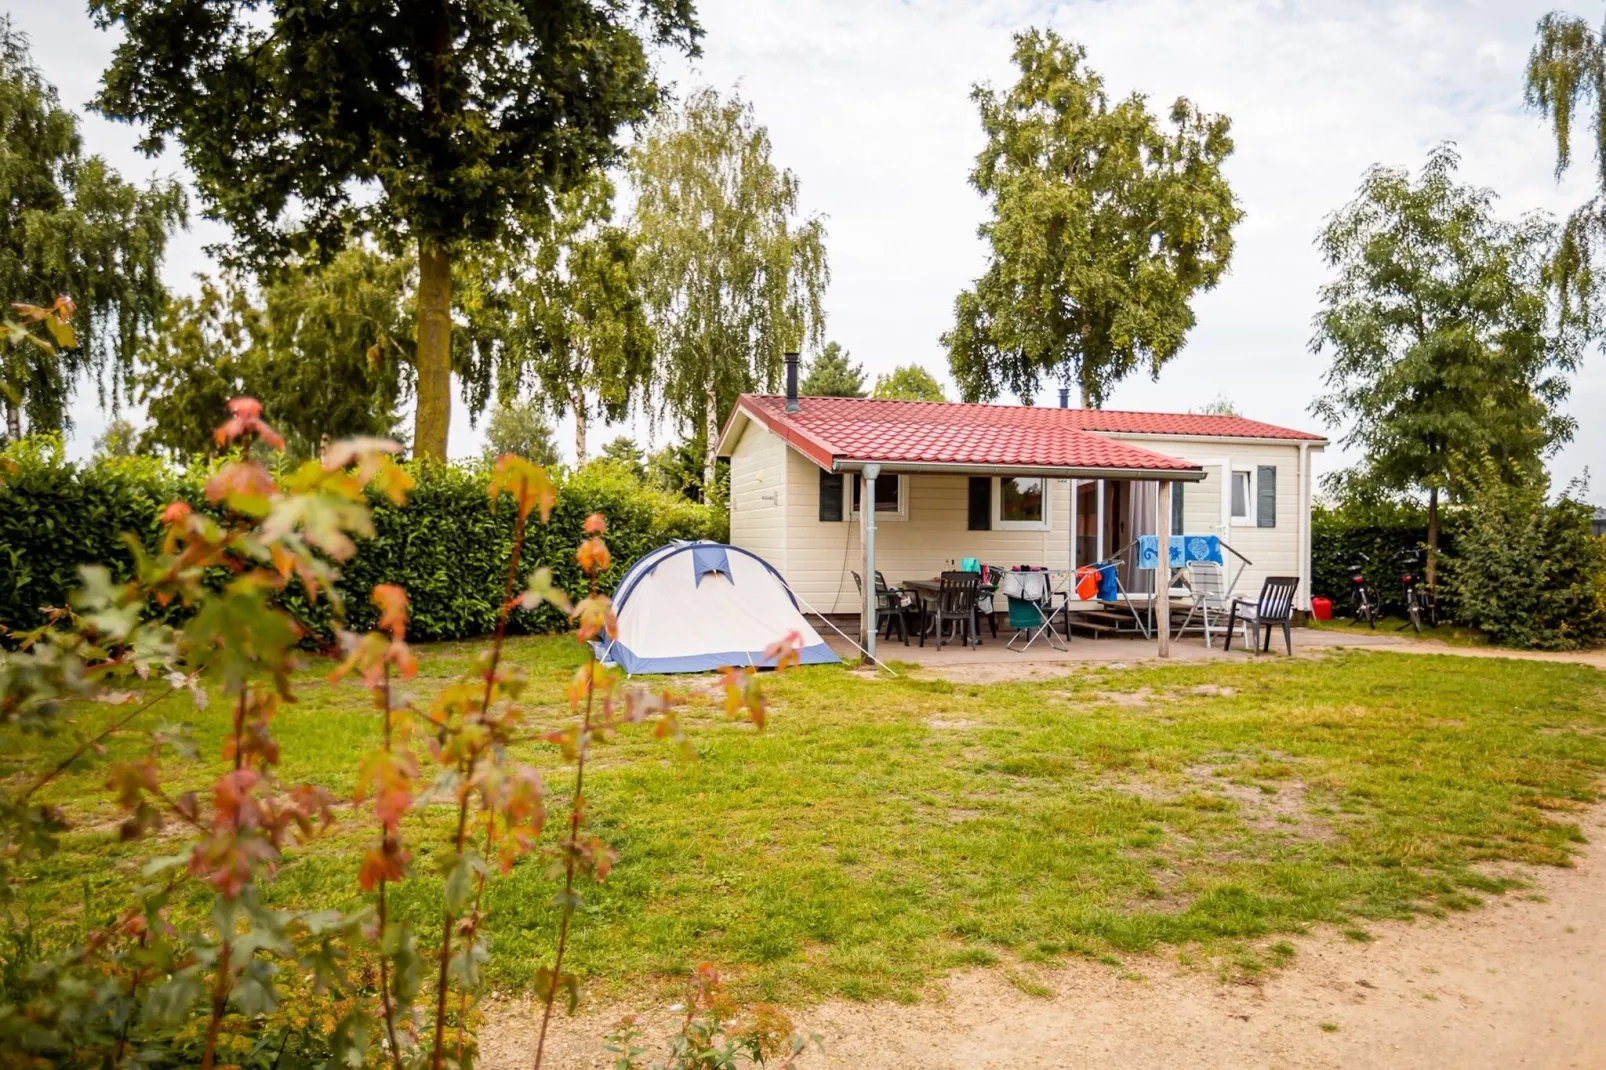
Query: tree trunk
[(13, 420), (578, 403), (1433, 537), (434, 411), (711, 444)]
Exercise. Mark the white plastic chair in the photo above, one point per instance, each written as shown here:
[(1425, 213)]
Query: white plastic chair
[(1208, 581)]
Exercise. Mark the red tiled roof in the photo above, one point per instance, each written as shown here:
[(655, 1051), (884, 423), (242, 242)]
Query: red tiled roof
[(831, 430), (1115, 421)]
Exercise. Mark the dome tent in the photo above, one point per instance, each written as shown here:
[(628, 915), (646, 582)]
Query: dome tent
[(696, 606)]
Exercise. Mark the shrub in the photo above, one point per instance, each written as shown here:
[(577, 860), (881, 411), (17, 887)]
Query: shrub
[(1528, 571), (442, 546)]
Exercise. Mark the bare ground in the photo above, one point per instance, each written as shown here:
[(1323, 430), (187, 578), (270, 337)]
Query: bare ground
[(1519, 983)]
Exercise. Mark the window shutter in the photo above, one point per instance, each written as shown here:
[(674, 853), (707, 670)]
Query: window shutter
[(830, 496), (1266, 496), (981, 503), (1176, 508)]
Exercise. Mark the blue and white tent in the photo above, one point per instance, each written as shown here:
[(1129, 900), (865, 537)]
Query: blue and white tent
[(695, 606)]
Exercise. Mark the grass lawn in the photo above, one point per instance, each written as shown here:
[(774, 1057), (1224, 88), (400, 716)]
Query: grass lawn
[(882, 831), (1453, 634)]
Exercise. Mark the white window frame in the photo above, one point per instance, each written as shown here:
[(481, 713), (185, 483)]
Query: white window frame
[(1045, 524), (902, 512), (1248, 520)]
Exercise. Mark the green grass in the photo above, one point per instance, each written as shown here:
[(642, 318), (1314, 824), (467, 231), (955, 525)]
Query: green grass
[(1451, 634), (884, 831)]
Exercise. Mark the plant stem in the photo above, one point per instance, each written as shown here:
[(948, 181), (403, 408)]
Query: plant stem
[(110, 730), (384, 964), (449, 919), (568, 863), (220, 999)]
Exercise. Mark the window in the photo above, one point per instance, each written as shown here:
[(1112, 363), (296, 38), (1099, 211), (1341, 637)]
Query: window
[(1241, 495), (1020, 503), (891, 496)]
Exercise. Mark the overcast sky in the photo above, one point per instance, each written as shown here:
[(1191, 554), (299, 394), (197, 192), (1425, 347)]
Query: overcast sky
[(868, 102)]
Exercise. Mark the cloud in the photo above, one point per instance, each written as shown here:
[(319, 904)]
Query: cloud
[(868, 102)]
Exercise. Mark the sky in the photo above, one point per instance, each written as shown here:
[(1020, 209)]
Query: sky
[(868, 102)]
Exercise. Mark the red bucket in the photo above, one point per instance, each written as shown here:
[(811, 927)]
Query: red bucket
[(1321, 608)]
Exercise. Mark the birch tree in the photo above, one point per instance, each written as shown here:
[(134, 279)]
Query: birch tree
[(733, 275)]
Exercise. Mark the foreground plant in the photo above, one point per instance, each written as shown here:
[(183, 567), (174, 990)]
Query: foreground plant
[(197, 969)]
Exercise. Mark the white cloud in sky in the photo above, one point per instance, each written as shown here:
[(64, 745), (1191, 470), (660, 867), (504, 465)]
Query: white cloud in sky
[(868, 102)]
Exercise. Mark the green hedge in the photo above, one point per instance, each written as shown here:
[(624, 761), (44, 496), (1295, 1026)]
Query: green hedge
[(1383, 532), (445, 546)]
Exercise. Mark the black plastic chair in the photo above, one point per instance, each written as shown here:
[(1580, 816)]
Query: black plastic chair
[(955, 608), (893, 607), (1274, 606)]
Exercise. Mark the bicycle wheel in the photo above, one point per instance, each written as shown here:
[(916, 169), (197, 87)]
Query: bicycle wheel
[(1413, 609)]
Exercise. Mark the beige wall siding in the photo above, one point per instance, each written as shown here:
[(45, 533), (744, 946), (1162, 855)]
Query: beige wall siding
[(758, 495), (817, 558)]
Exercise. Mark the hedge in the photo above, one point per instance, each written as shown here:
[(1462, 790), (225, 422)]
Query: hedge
[(1383, 532), (446, 546)]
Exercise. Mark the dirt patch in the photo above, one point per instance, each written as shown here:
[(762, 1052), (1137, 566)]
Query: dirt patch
[(1521, 982), (957, 725)]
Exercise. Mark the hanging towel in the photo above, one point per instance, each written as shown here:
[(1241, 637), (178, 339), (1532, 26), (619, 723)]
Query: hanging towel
[(1109, 590), (1184, 548)]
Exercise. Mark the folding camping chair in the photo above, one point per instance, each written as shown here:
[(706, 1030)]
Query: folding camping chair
[(1031, 609), (1208, 582)]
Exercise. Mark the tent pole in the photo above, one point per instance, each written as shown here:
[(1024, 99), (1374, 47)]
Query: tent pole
[(867, 622)]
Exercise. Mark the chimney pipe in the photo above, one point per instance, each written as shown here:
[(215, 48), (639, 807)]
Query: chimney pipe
[(1065, 397), (791, 384)]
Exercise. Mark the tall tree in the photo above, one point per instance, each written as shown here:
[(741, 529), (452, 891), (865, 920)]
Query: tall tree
[(327, 349), (732, 276), (1444, 342), (909, 382), (833, 375), (1105, 225), (520, 427), (70, 225), (573, 324), (435, 124)]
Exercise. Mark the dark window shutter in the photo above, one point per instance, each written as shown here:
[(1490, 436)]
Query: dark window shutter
[(1266, 496), (981, 503), (830, 495), (1176, 508)]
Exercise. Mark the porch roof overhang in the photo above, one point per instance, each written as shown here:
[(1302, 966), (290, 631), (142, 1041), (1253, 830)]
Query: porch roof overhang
[(846, 434)]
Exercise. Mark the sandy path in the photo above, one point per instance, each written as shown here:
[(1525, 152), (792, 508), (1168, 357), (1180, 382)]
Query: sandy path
[(1517, 984)]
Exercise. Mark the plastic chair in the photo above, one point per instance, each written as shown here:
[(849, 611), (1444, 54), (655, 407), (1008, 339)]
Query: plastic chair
[(1274, 606), (892, 606), (956, 607)]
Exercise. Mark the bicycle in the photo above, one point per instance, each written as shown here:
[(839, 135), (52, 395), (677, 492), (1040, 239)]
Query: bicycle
[(1363, 600), (1420, 603)]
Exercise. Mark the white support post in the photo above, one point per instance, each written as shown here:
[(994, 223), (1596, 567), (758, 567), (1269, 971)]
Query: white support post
[(1099, 548), (1162, 572), (1076, 485), (867, 621)]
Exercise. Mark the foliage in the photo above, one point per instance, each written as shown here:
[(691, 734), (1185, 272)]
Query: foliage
[(444, 548), (1567, 67), (69, 225), (1221, 406), (1377, 533), (1105, 225), (732, 278), (714, 1033), (677, 469), (909, 382), (1528, 571), (522, 429), (442, 128), (624, 452), (120, 439), (1443, 340), (574, 326), (833, 375), (192, 965), (328, 350)]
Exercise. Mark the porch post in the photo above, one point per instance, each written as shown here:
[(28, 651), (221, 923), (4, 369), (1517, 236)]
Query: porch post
[(1162, 573), (1075, 485), (1099, 547), (867, 622)]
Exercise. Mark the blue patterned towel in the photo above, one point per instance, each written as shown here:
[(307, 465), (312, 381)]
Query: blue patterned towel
[(1184, 548)]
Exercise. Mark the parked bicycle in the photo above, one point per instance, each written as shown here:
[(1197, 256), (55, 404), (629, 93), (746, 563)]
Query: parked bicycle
[(1420, 604), (1363, 600)]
